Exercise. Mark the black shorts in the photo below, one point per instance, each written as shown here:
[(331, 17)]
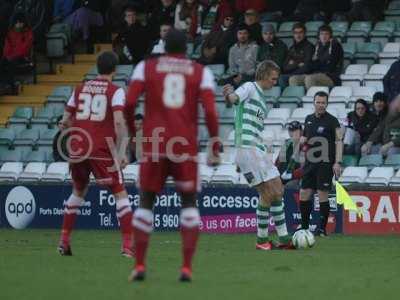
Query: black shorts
[(317, 176)]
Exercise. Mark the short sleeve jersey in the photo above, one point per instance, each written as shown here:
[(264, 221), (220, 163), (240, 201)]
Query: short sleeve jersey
[(92, 105), (316, 128), (251, 110)]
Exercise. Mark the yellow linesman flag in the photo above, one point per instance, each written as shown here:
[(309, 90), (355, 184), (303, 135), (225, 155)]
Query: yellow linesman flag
[(342, 197)]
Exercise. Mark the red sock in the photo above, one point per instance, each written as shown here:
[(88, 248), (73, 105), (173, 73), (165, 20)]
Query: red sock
[(142, 227), (70, 213), (125, 223), (68, 225), (190, 237), (190, 220)]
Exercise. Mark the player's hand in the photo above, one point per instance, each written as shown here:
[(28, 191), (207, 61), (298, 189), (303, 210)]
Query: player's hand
[(366, 148), (213, 159), (385, 148), (337, 169), (227, 90), (123, 162)]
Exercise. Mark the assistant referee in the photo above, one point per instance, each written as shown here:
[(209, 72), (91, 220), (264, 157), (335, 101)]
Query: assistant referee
[(322, 140)]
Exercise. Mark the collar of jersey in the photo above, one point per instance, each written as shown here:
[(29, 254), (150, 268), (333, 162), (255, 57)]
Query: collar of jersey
[(259, 90)]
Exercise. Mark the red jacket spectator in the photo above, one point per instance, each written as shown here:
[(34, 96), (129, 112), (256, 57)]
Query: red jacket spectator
[(243, 5), (18, 44), (225, 9)]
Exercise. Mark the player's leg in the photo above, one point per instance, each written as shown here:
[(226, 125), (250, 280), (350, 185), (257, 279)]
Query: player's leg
[(263, 215), (324, 185), (308, 186), (108, 173), (80, 179), (185, 175), (189, 222), (275, 188), (151, 182)]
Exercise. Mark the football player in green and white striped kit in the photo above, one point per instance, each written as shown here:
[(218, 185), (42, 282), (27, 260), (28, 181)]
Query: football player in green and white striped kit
[(252, 159)]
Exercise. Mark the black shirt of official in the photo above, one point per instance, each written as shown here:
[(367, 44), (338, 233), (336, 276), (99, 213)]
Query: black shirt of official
[(323, 126)]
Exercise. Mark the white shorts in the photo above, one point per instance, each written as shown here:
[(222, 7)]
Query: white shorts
[(256, 165)]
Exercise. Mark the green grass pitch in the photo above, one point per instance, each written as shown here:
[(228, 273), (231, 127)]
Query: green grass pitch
[(227, 267)]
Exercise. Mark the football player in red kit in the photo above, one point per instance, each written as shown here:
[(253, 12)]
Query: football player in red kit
[(95, 125), (173, 86)]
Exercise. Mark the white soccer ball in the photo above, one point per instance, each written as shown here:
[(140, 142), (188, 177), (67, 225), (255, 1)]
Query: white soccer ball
[(303, 239)]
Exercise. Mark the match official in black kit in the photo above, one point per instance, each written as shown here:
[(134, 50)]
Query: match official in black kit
[(322, 140)]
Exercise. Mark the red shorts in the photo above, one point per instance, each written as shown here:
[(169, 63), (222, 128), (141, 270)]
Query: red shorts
[(104, 171), (153, 175)]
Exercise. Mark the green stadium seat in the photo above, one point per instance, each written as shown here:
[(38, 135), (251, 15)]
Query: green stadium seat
[(27, 137), (35, 156), (273, 24), (383, 32), (218, 70), (359, 31), (393, 161), (7, 136), (339, 29), (367, 53), (14, 155), (285, 33), (291, 97), (371, 161), (350, 161), (62, 91), (272, 96), (313, 28), (349, 50), (49, 134), (21, 115), (393, 11)]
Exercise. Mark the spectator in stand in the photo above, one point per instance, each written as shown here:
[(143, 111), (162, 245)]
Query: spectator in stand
[(126, 44), (242, 58), (225, 8), (391, 81), (251, 19), (379, 106), (188, 18), (290, 161), (162, 12), (243, 5), (159, 45), (385, 139), (210, 15), (299, 57), (360, 124), (326, 64), (216, 45), (60, 150), (366, 10), (6, 8), (17, 50), (272, 48), (136, 146), (307, 10)]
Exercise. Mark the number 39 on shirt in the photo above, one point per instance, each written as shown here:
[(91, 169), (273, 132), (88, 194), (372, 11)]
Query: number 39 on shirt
[(92, 107), (174, 91)]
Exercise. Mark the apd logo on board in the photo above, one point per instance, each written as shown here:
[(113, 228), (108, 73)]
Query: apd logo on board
[(20, 207)]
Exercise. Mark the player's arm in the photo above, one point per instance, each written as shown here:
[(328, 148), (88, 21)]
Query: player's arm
[(136, 88), (207, 96), (69, 111), (120, 126), (339, 145), (234, 97)]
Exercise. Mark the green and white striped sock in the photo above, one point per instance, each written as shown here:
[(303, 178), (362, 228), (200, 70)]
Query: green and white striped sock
[(262, 224), (278, 215)]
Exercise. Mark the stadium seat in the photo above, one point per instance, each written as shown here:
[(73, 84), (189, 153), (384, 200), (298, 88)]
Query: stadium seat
[(32, 172), (277, 116), (225, 174), (7, 136), (272, 96), (56, 172), (35, 156), (393, 161), (359, 31), (27, 137), (206, 172), (285, 32), (21, 115), (352, 175), (350, 161), (390, 53), (10, 171), (339, 29), (375, 75), (362, 92), (300, 114), (131, 173), (313, 28), (349, 50), (371, 161), (14, 155), (395, 180), (382, 32), (354, 75), (291, 97), (367, 53), (393, 11), (202, 158), (380, 176), (309, 97), (340, 94), (218, 70)]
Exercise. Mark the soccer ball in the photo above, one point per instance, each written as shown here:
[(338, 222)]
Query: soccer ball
[(303, 239)]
